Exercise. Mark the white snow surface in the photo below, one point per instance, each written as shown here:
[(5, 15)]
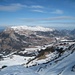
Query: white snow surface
[(62, 67), (17, 70), (14, 60), (36, 28)]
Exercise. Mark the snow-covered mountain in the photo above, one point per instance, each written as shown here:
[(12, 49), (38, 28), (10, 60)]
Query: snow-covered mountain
[(36, 51), (19, 37), (37, 28)]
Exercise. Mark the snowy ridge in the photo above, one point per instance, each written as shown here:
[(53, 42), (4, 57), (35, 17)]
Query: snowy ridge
[(36, 28)]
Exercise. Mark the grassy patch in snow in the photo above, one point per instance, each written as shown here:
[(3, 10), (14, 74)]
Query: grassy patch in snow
[(43, 53)]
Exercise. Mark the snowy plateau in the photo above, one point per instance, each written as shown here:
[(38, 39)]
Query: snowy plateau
[(36, 51)]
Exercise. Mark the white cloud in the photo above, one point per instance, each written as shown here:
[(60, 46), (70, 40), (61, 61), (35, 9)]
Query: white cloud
[(57, 11), (59, 18), (40, 11), (18, 6), (11, 7), (36, 6)]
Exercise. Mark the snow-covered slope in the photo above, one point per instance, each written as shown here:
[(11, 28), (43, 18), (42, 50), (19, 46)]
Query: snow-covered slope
[(63, 65), (14, 60), (55, 63), (37, 28), (17, 70)]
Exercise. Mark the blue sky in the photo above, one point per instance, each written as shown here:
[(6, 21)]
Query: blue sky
[(50, 13)]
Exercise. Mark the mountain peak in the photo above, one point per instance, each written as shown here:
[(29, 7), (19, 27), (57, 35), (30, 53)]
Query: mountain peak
[(31, 28)]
